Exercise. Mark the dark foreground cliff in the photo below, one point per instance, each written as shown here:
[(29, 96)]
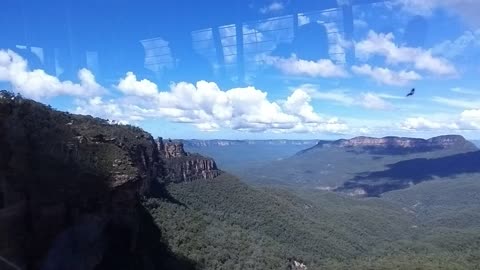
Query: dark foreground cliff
[(71, 189)]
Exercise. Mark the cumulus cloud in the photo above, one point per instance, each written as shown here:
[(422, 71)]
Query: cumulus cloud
[(131, 86), (467, 120), (38, 84), (298, 104), (383, 45), (466, 9), (204, 104), (110, 109), (387, 76), (272, 8), (421, 123), (209, 108), (294, 66), (471, 118)]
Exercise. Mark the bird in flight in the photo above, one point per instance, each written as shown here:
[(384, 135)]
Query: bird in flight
[(412, 92)]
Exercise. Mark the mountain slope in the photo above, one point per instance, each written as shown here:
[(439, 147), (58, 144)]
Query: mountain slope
[(329, 165), (403, 174), (224, 223)]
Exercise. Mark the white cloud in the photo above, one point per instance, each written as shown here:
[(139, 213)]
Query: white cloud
[(373, 101), (471, 118), (359, 23), (466, 9), (458, 103), (204, 105), (467, 120), (466, 91), (388, 96), (38, 84), (209, 108), (466, 43), (111, 109), (366, 100), (298, 104), (383, 45), (303, 19), (336, 96), (387, 76), (421, 123), (131, 86), (295, 66), (272, 8)]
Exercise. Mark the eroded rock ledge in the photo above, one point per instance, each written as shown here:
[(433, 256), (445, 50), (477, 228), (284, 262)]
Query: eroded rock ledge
[(183, 166)]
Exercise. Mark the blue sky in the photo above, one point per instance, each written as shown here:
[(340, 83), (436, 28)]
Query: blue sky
[(179, 69)]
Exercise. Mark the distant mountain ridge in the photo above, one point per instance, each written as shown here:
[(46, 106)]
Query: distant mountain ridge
[(398, 145), (205, 143), (339, 165)]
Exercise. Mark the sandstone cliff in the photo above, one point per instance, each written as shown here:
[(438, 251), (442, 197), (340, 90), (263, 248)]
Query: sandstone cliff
[(182, 166), (399, 145), (70, 190)]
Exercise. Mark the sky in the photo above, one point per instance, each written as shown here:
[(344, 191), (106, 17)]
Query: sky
[(210, 71)]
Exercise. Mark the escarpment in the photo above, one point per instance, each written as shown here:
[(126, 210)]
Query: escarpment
[(184, 167), (70, 192), (398, 145)]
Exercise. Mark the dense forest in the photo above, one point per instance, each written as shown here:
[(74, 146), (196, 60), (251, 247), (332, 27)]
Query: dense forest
[(225, 224)]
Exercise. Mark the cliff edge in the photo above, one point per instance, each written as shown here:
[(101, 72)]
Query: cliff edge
[(71, 189)]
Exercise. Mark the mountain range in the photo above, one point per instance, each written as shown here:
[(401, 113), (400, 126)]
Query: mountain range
[(235, 155), (356, 165), (80, 193)]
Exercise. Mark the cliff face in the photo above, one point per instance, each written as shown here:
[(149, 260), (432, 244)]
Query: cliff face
[(70, 189), (170, 149), (182, 166), (399, 145)]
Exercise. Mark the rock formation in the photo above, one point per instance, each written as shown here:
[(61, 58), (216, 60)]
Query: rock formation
[(399, 145), (182, 166), (171, 149), (70, 190)]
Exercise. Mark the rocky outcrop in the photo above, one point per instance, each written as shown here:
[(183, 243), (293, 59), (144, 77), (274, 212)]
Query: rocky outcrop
[(399, 145), (185, 167), (70, 189), (293, 264), (170, 149)]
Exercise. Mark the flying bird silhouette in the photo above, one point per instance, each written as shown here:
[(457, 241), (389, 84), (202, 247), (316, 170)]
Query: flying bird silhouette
[(412, 92)]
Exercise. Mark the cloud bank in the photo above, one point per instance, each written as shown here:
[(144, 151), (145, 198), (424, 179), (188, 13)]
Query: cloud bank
[(37, 84)]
